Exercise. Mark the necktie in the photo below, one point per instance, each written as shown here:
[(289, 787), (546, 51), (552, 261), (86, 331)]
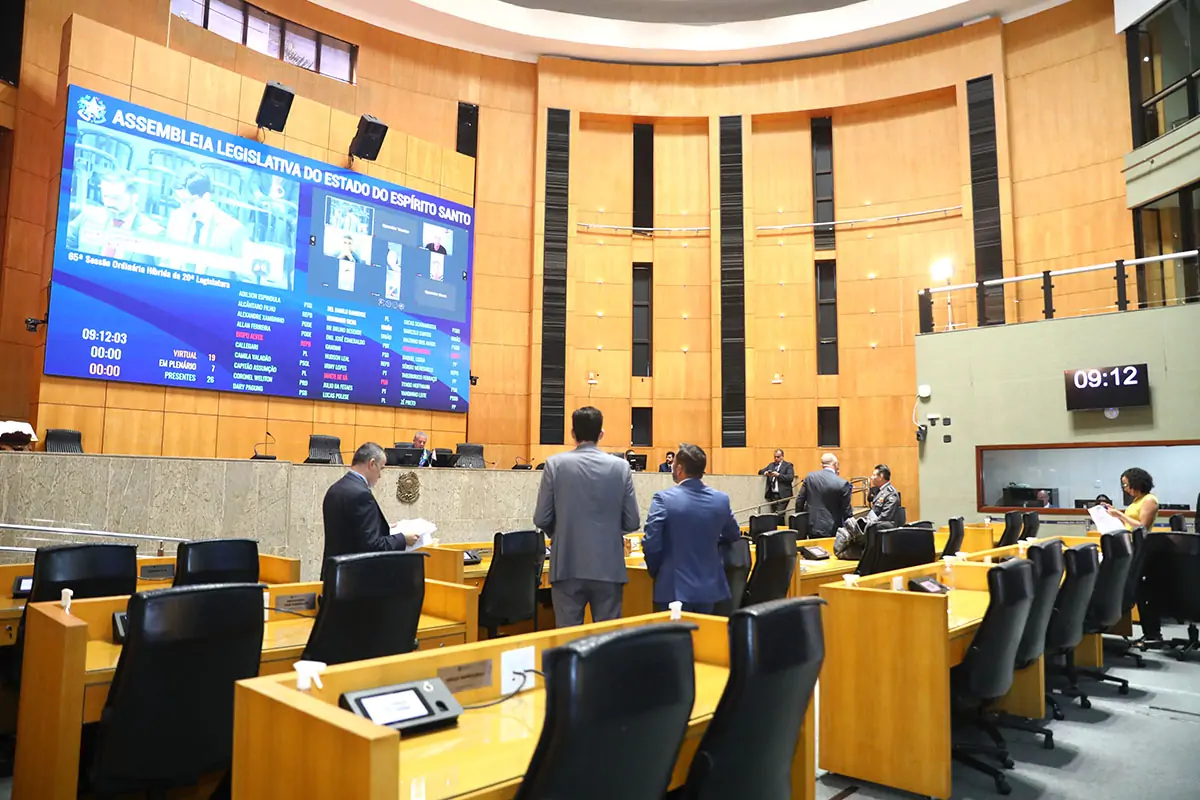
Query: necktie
[(110, 249), (196, 235)]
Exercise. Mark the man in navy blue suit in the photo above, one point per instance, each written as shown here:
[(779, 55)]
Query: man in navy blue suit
[(684, 529)]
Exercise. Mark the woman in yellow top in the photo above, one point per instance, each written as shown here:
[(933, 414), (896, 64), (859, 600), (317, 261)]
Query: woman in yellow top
[(1137, 483)]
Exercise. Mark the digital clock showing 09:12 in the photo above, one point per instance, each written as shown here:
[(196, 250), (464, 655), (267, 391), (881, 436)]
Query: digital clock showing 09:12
[(1107, 387)]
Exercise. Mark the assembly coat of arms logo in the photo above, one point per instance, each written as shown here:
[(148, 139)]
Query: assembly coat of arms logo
[(91, 109), (408, 488)]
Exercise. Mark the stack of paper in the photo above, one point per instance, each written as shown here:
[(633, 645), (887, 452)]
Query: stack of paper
[(423, 528), (1105, 522)]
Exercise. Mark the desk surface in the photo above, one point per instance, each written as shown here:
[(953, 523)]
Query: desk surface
[(493, 746), (967, 607), (280, 638)]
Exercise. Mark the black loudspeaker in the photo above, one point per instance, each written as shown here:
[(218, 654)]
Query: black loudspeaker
[(369, 139), (12, 26), (274, 107), (468, 129)]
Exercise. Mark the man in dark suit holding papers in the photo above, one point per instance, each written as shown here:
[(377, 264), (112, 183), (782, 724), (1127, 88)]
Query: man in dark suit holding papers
[(354, 522)]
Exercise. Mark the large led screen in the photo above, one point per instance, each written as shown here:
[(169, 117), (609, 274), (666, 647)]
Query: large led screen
[(185, 256)]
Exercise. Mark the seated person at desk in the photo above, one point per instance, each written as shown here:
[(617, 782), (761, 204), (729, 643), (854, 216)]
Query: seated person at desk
[(669, 464), (885, 504), (1137, 483), (684, 529), (418, 443), (354, 522)]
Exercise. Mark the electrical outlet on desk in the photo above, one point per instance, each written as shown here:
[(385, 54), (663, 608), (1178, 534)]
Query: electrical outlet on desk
[(513, 669)]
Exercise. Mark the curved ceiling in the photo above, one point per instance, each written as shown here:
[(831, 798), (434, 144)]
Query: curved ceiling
[(673, 31), (685, 12)]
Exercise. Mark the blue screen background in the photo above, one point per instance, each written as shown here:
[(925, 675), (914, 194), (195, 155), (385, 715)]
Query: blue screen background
[(185, 256)]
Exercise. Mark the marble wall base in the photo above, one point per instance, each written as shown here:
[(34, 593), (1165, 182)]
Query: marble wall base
[(276, 502)]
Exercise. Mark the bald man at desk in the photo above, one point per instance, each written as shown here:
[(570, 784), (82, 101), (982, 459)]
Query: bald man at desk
[(354, 522)]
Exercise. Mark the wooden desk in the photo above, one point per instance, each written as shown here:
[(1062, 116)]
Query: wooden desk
[(809, 576), (885, 685), (283, 738), (70, 661), (271, 570)]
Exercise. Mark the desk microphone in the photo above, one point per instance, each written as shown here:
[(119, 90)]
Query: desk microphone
[(262, 456)]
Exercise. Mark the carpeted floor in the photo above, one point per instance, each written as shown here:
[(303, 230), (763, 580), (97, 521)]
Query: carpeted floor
[(1140, 746)]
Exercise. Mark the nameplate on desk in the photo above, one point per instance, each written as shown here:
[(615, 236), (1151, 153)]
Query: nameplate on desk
[(296, 602), (461, 677), (157, 572)]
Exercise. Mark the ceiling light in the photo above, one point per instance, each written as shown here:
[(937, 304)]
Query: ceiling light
[(778, 379), (942, 270)]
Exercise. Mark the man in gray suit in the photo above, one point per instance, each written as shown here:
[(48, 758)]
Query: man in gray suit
[(826, 497), (586, 505)]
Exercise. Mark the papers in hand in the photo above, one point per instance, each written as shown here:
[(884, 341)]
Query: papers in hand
[(423, 528), (1105, 522)]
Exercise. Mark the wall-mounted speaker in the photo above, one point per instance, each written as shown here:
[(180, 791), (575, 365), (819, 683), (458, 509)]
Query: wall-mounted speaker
[(369, 139), (274, 107)]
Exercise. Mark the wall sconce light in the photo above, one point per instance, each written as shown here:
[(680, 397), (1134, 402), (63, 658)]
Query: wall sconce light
[(870, 276), (782, 348), (600, 280), (685, 244), (685, 348), (867, 202), (599, 313), (781, 315), (942, 270), (685, 316), (593, 378), (778, 379), (873, 345), (599, 347)]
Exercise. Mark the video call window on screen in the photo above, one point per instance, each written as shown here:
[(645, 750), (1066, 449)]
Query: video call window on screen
[(137, 200)]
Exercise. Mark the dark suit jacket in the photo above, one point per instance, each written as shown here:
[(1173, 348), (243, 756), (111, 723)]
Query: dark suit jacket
[(826, 497), (664, 467), (354, 523), (684, 530), (787, 474)]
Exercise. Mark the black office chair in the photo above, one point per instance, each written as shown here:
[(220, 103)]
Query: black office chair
[(324, 450), (1133, 587), (774, 562), (370, 607), (1047, 560), (776, 652), (986, 672), (764, 523), (216, 561), (1082, 563), (897, 548), (509, 593), (901, 519), (1177, 523), (736, 559), (799, 523), (954, 542), (617, 710), (1013, 522), (168, 718), (63, 440), (88, 570), (1106, 607), (1030, 522), (1173, 572), (867, 553), (470, 456)]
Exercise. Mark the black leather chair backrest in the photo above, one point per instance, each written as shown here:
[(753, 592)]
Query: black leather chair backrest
[(216, 561), (1173, 562), (764, 523), (1030, 523), (774, 562), (1013, 521), (1106, 608), (88, 570), (1177, 523), (370, 607), (509, 592), (617, 709), (901, 517), (799, 523), (987, 667), (324, 449), (922, 523), (905, 547), (736, 558), (168, 719), (63, 440), (868, 563), (1047, 559), (1082, 564), (1137, 568), (954, 542), (775, 654)]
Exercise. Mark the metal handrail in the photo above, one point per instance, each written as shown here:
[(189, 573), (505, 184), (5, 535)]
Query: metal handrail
[(13, 549), (633, 229), (79, 532), (1037, 276), (836, 223)]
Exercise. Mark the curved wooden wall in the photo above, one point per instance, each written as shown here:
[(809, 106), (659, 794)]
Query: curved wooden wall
[(900, 144)]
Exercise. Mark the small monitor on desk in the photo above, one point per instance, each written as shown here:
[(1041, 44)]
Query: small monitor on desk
[(405, 706), (22, 586), (403, 456), (637, 462)]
